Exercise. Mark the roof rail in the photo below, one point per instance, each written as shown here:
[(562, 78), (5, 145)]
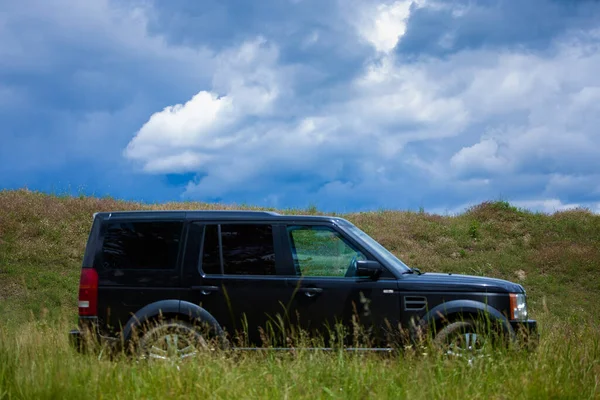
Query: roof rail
[(238, 212), (253, 212)]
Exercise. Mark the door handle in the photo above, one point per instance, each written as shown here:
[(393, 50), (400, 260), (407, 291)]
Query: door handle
[(206, 290), (310, 291)]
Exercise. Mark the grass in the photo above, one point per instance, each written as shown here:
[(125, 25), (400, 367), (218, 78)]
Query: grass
[(556, 257), (37, 363)]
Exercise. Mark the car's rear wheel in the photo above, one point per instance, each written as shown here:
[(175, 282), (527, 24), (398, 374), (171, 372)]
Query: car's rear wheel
[(172, 340)]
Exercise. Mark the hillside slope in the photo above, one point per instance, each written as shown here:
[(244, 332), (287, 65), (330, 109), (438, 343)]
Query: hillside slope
[(556, 257)]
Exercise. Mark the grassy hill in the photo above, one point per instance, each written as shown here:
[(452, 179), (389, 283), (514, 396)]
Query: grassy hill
[(556, 257)]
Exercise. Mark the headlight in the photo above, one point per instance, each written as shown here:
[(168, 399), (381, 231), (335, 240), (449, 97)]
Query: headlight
[(518, 306)]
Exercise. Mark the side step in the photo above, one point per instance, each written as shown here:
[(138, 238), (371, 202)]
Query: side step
[(348, 349)]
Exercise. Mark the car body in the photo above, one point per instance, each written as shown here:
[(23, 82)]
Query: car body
[(248, 273)]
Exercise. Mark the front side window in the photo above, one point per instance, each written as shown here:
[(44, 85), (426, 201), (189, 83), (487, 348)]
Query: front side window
[(321, 251), (141, 245), (238, 249)]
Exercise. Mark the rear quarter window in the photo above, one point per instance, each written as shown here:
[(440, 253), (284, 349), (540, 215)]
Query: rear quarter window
[(141, 245)]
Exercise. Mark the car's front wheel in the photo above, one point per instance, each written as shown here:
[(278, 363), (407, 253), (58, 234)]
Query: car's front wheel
[(463, 339)]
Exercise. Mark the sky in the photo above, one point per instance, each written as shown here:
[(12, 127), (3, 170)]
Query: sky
[(346, 105)]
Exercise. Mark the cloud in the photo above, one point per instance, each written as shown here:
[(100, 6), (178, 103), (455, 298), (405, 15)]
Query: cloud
[(452, 26), (546, 205), (101, 23), (178, 128), (362, 105), (481, 157), (469, 120), (91, 55), (384, 24), (76, 78), (180, 138)]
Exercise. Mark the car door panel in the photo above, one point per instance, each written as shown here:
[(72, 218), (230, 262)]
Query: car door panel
[(371, 305), (249, 308), (318, 303), (243, 304)]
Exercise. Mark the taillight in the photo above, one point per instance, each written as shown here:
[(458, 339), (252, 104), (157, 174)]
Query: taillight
[(88, 292)]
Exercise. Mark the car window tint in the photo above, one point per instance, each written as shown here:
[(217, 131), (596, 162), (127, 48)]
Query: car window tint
[(192, 247), (248, 249), (141, 245), (211, 263), (321, 251)]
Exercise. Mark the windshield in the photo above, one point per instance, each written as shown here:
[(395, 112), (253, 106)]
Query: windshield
[(381, 251)]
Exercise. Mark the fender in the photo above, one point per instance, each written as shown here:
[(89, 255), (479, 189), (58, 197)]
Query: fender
[(150, 311), (199, 314), (440, 311)]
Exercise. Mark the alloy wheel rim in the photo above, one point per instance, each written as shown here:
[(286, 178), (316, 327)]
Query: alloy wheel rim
[(175, 346), (468, 344)]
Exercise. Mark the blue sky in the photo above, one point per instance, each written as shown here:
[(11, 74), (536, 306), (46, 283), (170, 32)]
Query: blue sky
[(347, 105)]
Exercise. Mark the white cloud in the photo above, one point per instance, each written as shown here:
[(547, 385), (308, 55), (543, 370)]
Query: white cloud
[(171, 133), (391, 92), (385, 24), (181, 162), (482, 156), (490, 122), (250, 76), (545, 205), (481, 122), (539, 112), (580, 185), (250, 84)]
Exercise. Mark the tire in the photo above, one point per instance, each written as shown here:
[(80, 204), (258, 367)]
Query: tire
[(172, 340), (463, 339)]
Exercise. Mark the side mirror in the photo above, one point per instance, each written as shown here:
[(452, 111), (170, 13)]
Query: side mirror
[(368, 269)]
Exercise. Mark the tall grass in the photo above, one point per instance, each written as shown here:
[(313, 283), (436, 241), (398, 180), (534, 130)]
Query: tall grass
[(36, 361)]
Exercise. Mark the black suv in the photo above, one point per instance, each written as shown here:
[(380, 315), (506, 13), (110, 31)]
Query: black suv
[(160, 276)]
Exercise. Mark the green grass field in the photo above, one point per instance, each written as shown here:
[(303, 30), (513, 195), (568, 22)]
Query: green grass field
[(556, 257)]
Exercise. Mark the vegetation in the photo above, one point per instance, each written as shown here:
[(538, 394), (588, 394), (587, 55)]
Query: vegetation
[(556, 257)]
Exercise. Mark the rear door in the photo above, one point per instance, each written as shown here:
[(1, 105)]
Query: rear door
[(137, 265), (234, 272), (325, 290)]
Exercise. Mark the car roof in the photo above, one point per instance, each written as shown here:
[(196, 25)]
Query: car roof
[(233, 215)]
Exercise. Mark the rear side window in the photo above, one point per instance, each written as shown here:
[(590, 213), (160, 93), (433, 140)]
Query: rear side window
[(141, 245), (246, 249)]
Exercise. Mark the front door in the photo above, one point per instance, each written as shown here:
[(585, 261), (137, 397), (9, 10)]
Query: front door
[(327, 295)]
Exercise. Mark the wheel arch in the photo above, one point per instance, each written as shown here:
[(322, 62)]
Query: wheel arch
[(171, 308), (456, 310)]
